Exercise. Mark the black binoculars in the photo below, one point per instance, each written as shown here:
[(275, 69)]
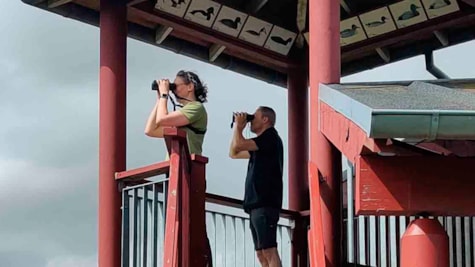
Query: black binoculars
[(155, 86), (249, 117)]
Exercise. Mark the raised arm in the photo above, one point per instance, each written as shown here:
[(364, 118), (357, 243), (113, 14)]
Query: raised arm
[(159, 116), (240, 147)]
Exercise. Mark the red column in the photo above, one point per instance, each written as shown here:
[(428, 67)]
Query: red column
[(324, 23), (113, 32), (298, 156), (425, 244)]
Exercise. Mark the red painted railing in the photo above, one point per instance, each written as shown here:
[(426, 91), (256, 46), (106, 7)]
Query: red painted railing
[(184, 227)]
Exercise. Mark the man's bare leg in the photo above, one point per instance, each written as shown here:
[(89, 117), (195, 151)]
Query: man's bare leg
[(272, 257), (262, 258)]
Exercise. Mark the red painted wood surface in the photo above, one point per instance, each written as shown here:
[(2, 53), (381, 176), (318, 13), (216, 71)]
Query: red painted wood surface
[(437, 185), (172, 248), (143, 172), (324, 68), (297, 88), (197, 235), (112, 128), (315, 237), (349, 138)]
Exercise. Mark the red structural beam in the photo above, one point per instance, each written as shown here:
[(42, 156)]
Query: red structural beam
[(112, 127), (324, 68), (436, 185)]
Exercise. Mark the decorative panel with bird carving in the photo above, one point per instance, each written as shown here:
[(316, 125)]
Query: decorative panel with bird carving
[(351, 31), (437, 8), (203, 12), (378, 22), (407, 13), (175, 7), (229, 21), (255, 31), (280, 40)]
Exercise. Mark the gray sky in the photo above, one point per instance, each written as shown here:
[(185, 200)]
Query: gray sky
[(49, 134)]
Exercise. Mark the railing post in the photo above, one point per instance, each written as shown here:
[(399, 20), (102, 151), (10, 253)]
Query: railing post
[(172, 248), (201, 253)]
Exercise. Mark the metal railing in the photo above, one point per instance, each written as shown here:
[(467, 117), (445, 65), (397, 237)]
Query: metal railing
[(143, 214)]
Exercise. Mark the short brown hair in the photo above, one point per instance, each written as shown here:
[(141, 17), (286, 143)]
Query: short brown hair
[(269, 113)]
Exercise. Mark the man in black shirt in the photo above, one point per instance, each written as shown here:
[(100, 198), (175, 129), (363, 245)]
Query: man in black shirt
[(263, 189)]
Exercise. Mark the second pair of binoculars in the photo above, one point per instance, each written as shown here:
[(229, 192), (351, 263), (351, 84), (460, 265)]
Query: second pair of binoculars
[(155, 86), (249, 118)]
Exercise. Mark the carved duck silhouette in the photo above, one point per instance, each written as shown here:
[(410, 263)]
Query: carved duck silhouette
[(231, 23), (436, 4), (176, 3), (411, 13), (252, 32), (349, 32), (377, 22), (280, 40), (205, 13)]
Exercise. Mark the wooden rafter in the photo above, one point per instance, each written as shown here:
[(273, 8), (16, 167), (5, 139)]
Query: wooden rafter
[(57, 3)]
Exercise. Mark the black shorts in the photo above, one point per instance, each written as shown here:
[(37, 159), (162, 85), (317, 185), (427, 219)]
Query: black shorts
[(263, 224)]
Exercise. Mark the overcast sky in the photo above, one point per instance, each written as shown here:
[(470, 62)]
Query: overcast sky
[(49, 133)]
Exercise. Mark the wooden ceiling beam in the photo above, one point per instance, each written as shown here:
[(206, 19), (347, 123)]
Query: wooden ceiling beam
[(135, 2), (384, 54), (162, 33), (470, 2), (57, 3), (214, 51), (255, 6), (234, 47), (345, 6), (442, 37)]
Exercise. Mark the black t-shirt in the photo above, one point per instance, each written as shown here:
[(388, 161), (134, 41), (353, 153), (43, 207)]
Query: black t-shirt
[(264, 172)]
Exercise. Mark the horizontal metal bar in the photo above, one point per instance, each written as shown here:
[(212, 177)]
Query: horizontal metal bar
[(143, 185), (236, 203)]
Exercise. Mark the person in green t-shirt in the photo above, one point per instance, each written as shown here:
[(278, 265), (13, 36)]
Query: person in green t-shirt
[(190, 93)]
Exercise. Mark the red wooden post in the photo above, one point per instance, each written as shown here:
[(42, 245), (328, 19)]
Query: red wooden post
[(425, 244), (112, 127), (198, 240), (185, 203), (172, 248), (298, 157), (324, 22)]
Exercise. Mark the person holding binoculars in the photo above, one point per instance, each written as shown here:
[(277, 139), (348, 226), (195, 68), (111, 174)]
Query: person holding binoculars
[(190, 93), (264, 186)]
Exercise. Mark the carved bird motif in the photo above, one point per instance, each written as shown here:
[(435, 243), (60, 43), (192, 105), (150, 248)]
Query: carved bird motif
[(377, 22), (411, 13), (252, 32), (231, 23), (280, 40), (349, 32), (205, 13)]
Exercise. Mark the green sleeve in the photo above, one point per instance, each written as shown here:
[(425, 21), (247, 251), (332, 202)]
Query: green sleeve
[(193, 111)]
